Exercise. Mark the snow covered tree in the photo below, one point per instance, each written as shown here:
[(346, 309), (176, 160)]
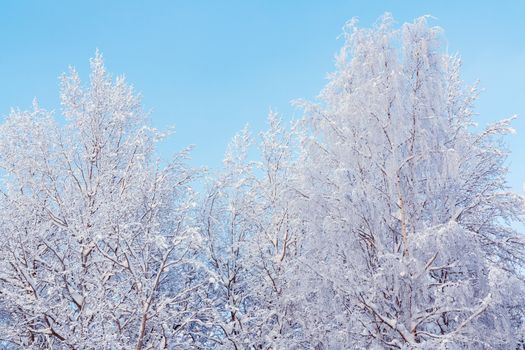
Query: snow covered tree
[(228, 223), (408, 218), (98, 238), (251, 240), (276, 243)]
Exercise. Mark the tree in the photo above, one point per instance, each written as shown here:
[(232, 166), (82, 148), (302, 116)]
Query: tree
[(407, 213), (98, 237), (228, 222), (252, 241)]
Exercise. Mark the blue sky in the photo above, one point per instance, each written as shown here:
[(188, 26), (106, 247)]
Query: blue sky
[(210, 67)]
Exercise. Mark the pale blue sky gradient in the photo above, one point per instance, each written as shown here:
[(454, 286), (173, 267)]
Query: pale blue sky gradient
[(210, 67)]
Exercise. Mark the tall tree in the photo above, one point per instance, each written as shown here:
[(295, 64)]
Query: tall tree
[(97, 237), (408, 215)]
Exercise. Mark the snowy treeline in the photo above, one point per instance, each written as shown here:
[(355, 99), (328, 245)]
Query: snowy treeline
[(380, 220)]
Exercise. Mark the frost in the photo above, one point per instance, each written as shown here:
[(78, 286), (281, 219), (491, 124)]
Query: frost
[(379, 220)]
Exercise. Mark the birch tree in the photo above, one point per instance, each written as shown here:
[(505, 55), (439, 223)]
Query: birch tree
[(98, 237), (408, 216), (252, 241), (228, 222)]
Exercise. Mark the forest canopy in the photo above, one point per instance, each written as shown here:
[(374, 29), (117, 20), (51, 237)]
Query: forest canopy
[(380, 219)]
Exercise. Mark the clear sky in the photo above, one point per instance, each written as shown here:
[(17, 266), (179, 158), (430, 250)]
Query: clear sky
[(210, 67)]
